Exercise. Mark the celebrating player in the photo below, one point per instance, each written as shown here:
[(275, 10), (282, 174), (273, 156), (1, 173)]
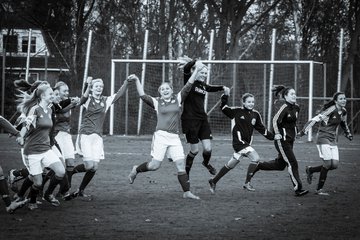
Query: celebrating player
[(246, 119), (284, 124), (332, 115), (166, 138), (194, 120)]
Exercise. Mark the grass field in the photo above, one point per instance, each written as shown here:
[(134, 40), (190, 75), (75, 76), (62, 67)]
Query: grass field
[(153, 207)]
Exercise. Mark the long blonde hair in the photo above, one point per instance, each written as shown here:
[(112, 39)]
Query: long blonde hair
[(28, 100)]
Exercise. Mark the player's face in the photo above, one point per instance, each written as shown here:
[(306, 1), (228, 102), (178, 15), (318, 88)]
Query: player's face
[(64, 92), (57, 98), (48, 95), (291, 96), (165, 91), (341, 100), (249, 103), (97, 88), (201, 74)]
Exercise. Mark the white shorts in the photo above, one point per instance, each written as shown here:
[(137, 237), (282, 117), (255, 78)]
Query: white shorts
[(91, 147), (66, 144), (35, 163), (328, 152), (58, 153), (169, 144), (243, 153)]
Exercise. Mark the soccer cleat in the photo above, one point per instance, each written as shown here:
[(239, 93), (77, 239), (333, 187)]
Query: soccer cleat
[(321, 192), (132, 175), (300, 193), (51, 199), (32, 206), (210, 168), (247, 186), (15, 205), (309, 175), (212, 186), (190, 195)]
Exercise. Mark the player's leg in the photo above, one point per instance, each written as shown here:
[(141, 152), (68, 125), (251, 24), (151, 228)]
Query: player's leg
[(254, 160), (205, 136), (278, 164), (191, 129)]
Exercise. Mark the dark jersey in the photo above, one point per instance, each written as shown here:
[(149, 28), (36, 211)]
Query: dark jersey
[(244, 122), (193, 106), (284, 121)]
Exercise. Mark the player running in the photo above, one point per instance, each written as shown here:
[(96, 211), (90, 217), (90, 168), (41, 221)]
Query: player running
[(332, 115), (166, 138), (245, 120)]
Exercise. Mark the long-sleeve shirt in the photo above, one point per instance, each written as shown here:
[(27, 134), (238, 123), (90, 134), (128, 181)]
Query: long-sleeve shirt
[(7, 126), (193, 107), (244, 122), (330, 119), (284, 121)]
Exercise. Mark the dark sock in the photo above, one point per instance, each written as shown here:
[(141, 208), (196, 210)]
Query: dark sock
[(86, 179), (322, 178), (4, 192), (251, 171), (142, 167), (315, 169), (64, 185), (189, 161), (79, 168), (54, 181), (25, 186), (221, 173), (184, 181), (34, 191), (206, 157), (21, 172), (47, 176)]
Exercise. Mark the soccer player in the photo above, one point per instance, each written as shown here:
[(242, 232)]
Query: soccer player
[(90, 133), (194, 120), (332, 115), (285, 131), (245, 120), (4, 191), (34, 135), (166, 140)]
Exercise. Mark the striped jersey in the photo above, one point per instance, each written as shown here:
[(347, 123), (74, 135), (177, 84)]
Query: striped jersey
[(244, 122), (38, 124), (330, 119), (284, 120), (168, 112), (62, 118)]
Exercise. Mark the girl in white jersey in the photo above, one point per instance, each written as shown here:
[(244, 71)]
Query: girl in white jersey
[(90, 133), (166, 140), (330, 118)]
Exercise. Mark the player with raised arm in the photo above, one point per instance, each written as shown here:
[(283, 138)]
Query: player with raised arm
[(245, 120), (166, 140)]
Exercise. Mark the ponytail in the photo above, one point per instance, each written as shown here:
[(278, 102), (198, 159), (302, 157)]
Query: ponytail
[(332, 101)]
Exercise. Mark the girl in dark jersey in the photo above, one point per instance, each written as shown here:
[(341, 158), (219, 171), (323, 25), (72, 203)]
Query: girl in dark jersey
[(330, 118), (166, 139), (245, 120), (90, 133), (194, 119), (4, 191), (284, 128), (37, 148)]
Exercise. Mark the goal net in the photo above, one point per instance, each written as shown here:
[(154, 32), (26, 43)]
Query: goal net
[(131, 116)]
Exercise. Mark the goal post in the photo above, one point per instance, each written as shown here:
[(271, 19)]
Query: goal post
[(240, 75)]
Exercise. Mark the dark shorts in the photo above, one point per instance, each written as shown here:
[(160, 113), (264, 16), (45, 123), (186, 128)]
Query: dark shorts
[(196, 130)]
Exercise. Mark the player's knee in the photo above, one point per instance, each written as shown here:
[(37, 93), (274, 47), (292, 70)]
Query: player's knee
[(154, 165), (327, 164), (334, 165), (207, 150)]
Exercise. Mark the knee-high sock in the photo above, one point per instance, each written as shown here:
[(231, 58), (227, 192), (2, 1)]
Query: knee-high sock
[(79, 168), (189, 161), (250, 172), (47, 177), (206, 157), (224, 170), (86, 179), (315, 169), (54, 181), (24, 187), (34, 191), (142, 167), (322, 178), (4, 191), (184, 181), (69, 173), (64, 185)]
